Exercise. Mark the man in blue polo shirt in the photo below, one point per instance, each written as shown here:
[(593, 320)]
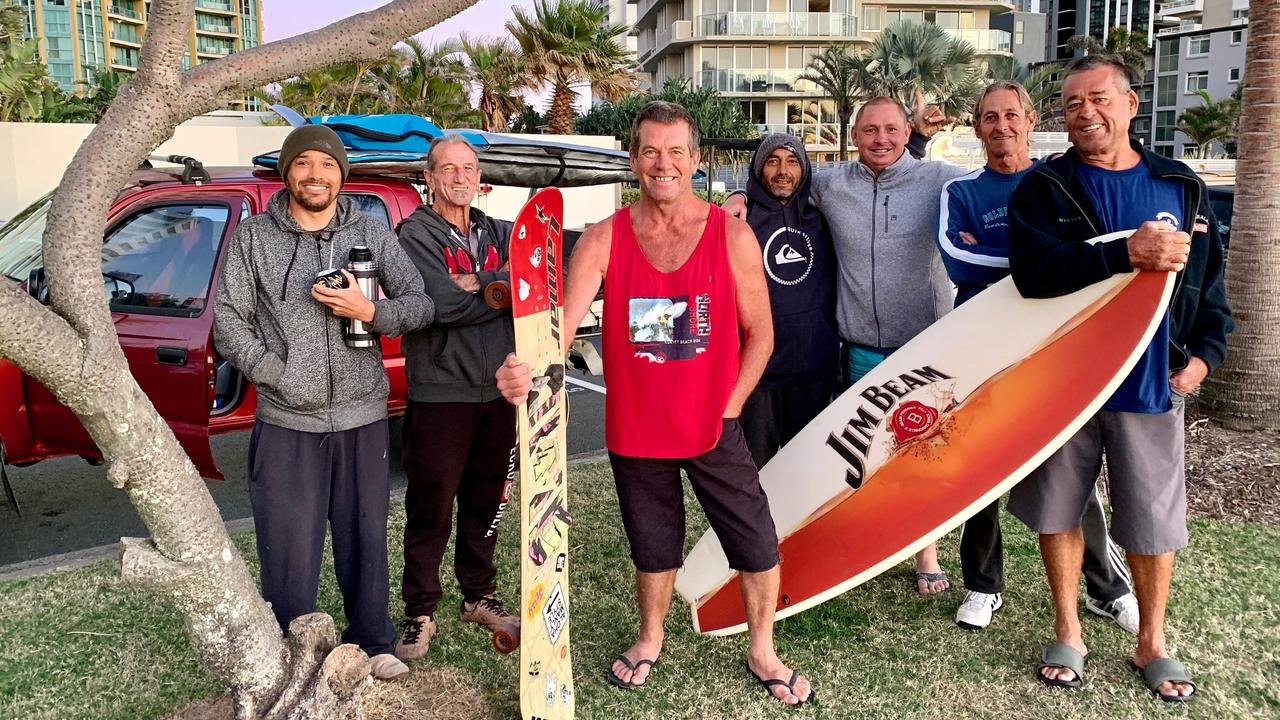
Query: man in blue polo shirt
[(1108, 183), (973, 237)]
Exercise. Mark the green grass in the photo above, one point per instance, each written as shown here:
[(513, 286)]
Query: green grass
[(80, 645)]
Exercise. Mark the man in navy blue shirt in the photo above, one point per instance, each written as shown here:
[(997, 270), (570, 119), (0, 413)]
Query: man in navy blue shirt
[(973, 237), (1107, 183)]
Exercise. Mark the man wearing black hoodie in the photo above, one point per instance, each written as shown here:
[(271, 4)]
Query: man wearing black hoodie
[(799, 264), (459, 433)]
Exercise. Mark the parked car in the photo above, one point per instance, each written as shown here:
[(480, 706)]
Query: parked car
[(166, 235)]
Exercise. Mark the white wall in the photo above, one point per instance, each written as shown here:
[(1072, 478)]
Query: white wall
[(33, 157)]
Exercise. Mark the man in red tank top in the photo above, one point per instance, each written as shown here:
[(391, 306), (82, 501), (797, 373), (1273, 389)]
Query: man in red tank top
[(687, 333)]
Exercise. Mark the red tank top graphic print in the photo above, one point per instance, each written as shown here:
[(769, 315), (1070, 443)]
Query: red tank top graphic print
[(670, 345)]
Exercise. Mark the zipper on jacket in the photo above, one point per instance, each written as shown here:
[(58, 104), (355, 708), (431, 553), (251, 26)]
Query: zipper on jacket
[(875, 312), (328, 347)]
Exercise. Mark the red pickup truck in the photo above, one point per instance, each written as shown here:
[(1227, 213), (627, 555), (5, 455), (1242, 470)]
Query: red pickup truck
[(166, 233)]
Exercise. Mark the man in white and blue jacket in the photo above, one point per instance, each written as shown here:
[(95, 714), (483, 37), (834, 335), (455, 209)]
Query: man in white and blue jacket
[(973, 237)]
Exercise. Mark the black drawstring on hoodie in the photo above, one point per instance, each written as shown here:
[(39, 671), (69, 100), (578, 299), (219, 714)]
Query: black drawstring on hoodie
[(297, 239)]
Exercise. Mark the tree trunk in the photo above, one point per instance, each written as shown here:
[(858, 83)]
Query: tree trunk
[(844, 137), (1245, 392), (560, 113), (72, 348)]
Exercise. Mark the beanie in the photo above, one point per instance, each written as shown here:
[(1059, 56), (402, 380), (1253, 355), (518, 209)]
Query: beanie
[(312, 137)]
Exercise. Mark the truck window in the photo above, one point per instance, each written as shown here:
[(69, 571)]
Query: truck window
[(20, 240), (160, 260), (371, 205)]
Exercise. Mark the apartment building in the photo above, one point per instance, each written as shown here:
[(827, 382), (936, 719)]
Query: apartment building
[(77, 35), (756, 50), (1199, 46)]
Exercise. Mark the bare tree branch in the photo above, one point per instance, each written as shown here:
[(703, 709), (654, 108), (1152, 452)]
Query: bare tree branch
[(72, 348)]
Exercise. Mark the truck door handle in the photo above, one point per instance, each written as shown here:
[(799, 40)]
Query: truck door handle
[(171, 356)]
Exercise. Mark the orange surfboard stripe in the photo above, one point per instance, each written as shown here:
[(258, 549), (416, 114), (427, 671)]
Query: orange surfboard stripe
[(1004, 423)]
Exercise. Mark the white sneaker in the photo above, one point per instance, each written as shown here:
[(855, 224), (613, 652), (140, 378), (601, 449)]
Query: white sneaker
[(387, 667), (976, 609), (1124, 610)]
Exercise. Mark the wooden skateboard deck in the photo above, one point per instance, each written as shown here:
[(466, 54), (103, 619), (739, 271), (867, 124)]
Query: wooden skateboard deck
[(546, 675), (932, 435)]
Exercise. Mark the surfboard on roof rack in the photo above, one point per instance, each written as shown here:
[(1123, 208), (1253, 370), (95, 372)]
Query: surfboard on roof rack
[(395, 146)]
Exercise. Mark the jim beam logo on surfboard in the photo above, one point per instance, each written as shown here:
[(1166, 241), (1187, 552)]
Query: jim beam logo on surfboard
[(908, 410)]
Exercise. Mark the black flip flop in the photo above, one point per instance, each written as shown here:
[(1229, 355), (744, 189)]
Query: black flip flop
[(612, 678), (788, 684)]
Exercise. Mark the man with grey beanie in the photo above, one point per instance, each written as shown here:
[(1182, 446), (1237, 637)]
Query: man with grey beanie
[(318, 452), (800, 267)]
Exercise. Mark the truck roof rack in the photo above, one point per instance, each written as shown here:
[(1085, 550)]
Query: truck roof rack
[(193, 172)]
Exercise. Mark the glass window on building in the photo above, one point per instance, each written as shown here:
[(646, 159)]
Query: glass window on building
[(1168, 56), (1233, 75), (1239, 14), (1165, 150), (872, 19), (1237, 37), (1167, 91), (1018, 30), (1197, 81), (754, 110), (1164, 125), (1197, 46)]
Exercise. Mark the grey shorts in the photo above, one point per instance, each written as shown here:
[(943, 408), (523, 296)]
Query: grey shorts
[(1146, 481)]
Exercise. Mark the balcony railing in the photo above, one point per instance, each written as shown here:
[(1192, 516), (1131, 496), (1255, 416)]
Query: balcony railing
[(226, 29), (119, 33), (214, 48), (123, 12), (984, 40), (757, 81), (808, 133), (1180, 7), (778, 24), (1181, 27), (222, 5)]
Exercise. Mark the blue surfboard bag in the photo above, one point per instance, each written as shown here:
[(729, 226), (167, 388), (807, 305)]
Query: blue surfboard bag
[(399, 132)]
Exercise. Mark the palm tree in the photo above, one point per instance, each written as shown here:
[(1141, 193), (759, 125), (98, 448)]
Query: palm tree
[(1209, 122), (1245, 392), (570, 43), (23, 81), (1039, 82), (100, 90), (432, 83), (495, 71), (1128, 46), (13, 22), (910, 57), (844, 77)]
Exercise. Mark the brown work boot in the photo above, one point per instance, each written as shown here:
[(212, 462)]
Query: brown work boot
[(415, 637), (488, 611)]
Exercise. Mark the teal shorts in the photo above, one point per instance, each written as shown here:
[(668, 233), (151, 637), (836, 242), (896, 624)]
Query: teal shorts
[(860, 359)]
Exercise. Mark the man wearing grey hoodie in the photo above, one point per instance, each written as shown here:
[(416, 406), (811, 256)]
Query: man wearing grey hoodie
[(318, 452), (891, 283)]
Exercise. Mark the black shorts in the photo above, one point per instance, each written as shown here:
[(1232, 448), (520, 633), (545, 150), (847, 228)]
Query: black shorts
[(727, 485)]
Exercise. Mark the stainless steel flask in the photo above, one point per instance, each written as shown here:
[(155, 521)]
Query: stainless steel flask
[(356, 333)]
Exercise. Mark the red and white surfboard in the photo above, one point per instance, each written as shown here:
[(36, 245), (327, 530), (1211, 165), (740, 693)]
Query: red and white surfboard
[(943, 427)]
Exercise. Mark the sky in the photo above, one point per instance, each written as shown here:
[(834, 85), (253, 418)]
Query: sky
[(486, 18), (286, 18)]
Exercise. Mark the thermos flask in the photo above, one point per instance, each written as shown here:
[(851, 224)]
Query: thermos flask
[(356, 333)]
